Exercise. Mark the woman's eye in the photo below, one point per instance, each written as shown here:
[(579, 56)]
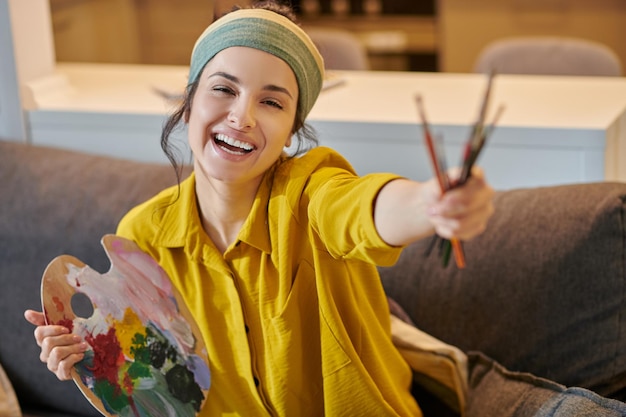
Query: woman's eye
[(223, 89), (273, 103)]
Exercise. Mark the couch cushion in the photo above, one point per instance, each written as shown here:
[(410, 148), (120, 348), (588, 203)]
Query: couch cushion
[(543, 291), (497, 392), (56, 202)]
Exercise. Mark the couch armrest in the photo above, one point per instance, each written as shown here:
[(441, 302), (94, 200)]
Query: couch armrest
[(543, 291)]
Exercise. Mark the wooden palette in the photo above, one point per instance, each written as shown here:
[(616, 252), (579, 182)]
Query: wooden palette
[(146, 355)]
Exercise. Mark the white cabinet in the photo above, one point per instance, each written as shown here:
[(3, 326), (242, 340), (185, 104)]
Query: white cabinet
[(554, 130)]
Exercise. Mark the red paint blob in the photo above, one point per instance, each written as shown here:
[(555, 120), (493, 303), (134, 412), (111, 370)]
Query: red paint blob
[(128, 385), (65, 322), (58, 304), (107, 357)]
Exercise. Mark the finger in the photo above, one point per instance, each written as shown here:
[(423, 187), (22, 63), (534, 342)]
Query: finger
[(471, 229), (459, 201), (464, 227), (67, 342), (35, 317), (61, 358), (63, 369), (43, 333)]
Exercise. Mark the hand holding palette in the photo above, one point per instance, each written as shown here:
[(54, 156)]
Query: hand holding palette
[(146, 355)]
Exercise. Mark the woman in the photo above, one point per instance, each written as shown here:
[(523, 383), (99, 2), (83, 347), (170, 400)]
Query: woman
[(276, 256)]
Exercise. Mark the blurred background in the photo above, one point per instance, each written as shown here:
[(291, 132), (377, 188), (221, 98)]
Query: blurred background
[(413, 35)]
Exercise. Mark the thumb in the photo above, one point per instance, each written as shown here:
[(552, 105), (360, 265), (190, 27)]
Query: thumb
[(35, 317)]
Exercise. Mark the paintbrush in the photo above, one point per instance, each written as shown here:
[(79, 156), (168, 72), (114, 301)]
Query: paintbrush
[(477, 137), (435, 151), (472, 150)]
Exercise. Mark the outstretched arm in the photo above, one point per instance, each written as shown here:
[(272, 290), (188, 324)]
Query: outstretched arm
[(406, 210)]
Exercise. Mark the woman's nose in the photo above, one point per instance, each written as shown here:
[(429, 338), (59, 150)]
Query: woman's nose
[(242, 114)]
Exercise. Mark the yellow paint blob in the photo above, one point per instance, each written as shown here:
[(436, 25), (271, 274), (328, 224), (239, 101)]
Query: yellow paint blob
[(127, 328)]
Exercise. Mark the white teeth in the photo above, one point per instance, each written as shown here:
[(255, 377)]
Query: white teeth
[(234, 142)]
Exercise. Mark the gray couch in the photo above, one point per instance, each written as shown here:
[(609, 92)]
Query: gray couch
[(544, 291)]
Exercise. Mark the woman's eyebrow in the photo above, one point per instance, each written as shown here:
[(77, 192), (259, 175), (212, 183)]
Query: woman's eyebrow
[(225, 75), (268, 87), (278, 89)]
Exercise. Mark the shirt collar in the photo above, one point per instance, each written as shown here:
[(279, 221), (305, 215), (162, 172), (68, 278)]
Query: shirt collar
[(181, 224), (255, 230)]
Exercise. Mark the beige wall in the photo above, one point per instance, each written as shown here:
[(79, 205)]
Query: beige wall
[(168, 29), (128, 31), (465, 26), (95, 30)]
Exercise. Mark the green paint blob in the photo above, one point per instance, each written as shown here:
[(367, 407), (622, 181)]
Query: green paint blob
[(183, 387)]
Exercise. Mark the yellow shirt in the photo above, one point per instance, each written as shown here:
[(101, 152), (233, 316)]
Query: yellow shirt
[(293, 314)]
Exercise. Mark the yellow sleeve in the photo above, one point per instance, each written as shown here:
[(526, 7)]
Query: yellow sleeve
[(340, 206)]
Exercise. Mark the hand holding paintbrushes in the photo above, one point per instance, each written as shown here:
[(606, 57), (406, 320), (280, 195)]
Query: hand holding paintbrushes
[(472, 150)]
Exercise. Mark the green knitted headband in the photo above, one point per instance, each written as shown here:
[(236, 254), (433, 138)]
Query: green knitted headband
[(269, 32)]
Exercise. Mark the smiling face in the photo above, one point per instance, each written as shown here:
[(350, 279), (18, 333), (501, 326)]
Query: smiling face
[(242, 115)]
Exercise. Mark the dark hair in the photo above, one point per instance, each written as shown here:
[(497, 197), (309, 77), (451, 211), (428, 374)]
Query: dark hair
[(306, 136)]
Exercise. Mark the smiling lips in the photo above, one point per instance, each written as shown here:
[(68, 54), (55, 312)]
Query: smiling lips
[(233, 146)]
